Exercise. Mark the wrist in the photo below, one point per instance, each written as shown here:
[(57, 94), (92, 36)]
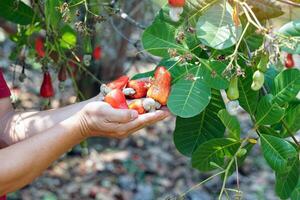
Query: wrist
[(83, 125)]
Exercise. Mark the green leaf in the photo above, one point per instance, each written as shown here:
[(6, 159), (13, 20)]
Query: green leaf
[(269, 131), (191, 132), (211, 71), (68, 39), (292, 117), (16, 11), (195, 8), (215, 151), (158, 38), (296, 192), (231, 123), (248, 98), (286, 182), (268, 112), (216, 29), (52, 15), (287, 86), (291, 29), (189, 96), (277, 152), (270, 76)]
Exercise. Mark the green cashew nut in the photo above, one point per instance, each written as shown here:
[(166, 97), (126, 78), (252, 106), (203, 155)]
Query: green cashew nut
[(258, 80), (233, 90)]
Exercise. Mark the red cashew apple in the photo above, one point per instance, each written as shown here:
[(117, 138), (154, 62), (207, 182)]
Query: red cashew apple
[(119, 83), (289, 61), (161, 86), (116, 99)]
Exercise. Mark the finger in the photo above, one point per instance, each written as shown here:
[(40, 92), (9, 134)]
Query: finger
[(148, 123), (121, 115), (145, 120)]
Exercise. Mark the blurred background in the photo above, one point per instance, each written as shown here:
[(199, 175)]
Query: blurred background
[(144, 167)]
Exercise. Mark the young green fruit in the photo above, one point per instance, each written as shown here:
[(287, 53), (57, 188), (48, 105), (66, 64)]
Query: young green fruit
[(233, 90), (258, 80)]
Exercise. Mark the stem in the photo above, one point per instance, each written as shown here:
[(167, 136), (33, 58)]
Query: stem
[(290, 133), (253, 15), (228, 168), (237, 174), (234, 54), (225, 178), (199, 184), (289, 3)]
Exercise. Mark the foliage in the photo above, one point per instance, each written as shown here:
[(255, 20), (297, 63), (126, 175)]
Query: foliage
[(201, 117)]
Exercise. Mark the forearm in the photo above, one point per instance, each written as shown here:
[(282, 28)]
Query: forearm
[(17, 126), (22, 162)]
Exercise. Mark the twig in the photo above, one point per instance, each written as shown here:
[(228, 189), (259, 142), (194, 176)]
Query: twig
[(289, 3), (127, 18), (290, 133), (202, 182), (228, 168)]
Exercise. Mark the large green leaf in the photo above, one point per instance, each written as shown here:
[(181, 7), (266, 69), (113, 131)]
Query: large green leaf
[(211, 71), (189, 96), (195, 8), (248, 98), (278, 153), (296, 192), (268, 112), (16, 11), (191, 132), (231, 123), (287, 86), (214, 151), (216, 29), (287, 181)]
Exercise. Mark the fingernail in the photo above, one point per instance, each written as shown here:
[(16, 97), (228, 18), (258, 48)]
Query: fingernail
[(134, 114)]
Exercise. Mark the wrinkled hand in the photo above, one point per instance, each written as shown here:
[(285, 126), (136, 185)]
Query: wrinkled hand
[(100, 119)]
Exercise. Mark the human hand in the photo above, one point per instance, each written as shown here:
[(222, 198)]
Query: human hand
[(100, 119)]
